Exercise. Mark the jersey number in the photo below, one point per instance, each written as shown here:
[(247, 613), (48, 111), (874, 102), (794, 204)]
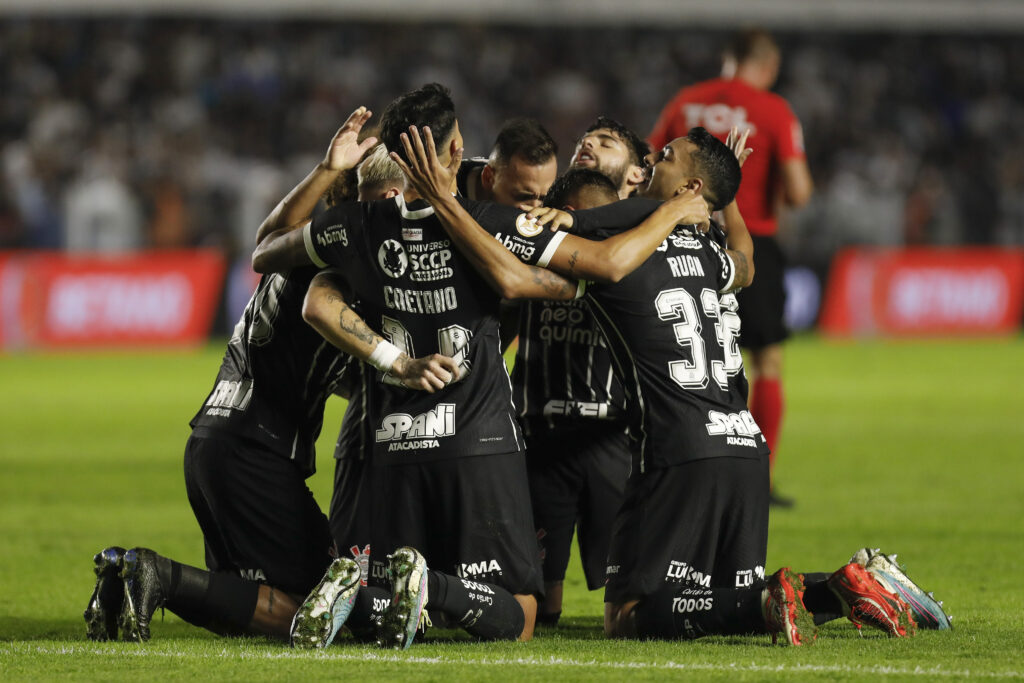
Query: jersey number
[(679, 304), (451, 341)]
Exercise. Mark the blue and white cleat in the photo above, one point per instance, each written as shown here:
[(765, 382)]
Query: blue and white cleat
[(928, 612), (407, 570), (326, 608)]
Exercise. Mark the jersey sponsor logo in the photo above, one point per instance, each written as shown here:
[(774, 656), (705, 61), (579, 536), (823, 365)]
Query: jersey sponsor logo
[(378, 570), (569, 323), (229, 395), (683, 238), (392, 258), (430, 301), (746, 577), (528, 227), (739, 429), (685, 265), (679, 572), (591, 409), (412, 234), (475, 569), (718, 118), (612, 569), (252, 574), (333, 234), (684, 605), (362, 558), (429, 261), (422, 431), (518, 246)]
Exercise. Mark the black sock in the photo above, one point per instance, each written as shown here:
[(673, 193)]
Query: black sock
[(819, 599), (548, 618), (483, 609), (367, 611), (683, 612), (223, 603)]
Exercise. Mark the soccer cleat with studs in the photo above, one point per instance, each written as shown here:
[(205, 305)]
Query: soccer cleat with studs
[(407, 570), (784, 611), (326, 608), (866, 600), (928, 612), (104, 606), (142, 594)]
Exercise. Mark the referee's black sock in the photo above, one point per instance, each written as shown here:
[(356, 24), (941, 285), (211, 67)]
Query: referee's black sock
[(222, 603), (367, 611), (483, 609), (819, 598), (683, 612)]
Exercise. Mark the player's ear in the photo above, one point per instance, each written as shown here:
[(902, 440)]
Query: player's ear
[(392, 192), (694, 184), (635, 175), (487, 177)]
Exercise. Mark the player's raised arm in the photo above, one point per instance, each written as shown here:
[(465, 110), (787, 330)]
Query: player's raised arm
[(738, 242), (506, 274), (279, 243), (326, 310)]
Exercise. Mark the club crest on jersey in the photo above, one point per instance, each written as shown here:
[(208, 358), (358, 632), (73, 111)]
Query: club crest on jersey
[(392, 258), (362, 558), (528, 227)]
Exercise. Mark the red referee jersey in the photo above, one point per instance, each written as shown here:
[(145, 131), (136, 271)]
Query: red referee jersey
[(775, 137)]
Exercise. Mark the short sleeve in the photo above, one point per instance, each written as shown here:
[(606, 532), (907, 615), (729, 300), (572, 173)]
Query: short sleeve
[(329, 237)]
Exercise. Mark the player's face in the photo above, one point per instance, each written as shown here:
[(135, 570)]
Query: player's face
[(669, 169), (606, 152), (522, 185)]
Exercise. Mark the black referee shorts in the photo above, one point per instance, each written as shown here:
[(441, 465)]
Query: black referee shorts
[(703, 523), (258, 517), (469, 517), (577, 476), (763, 303)]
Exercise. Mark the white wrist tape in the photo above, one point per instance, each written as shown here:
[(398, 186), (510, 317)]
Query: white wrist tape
[(384, 356)]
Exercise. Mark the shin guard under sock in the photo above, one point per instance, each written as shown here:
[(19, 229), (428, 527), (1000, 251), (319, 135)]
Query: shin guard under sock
[(682, 612), (483, 609), (221, 602), (819, 598)]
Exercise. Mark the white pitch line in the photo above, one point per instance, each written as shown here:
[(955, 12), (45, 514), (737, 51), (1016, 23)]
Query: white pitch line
[(932, 672)]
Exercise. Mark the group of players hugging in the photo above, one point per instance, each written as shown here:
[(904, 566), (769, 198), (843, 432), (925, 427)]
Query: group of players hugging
[(457, 488)]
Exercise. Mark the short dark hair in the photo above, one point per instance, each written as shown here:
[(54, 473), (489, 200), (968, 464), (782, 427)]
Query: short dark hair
[(751, 43), (430, 105), (717, 166), (526, 138), (576, 179), (638, 147)]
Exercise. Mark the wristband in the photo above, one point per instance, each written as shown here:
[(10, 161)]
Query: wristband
[(384, 356)]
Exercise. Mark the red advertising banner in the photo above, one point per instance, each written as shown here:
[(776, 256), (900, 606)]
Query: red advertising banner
[(56, 300), (922, 291)]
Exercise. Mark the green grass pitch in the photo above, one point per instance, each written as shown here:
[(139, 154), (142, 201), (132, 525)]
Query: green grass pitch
[(916, 447)]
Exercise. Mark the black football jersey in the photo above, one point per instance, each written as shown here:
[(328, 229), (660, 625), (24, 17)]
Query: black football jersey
[(674, 339), (467, 167), (419, 292), (277, 373)]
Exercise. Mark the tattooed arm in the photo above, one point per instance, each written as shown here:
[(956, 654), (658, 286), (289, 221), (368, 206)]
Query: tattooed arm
[(325, 309), (738, 245)]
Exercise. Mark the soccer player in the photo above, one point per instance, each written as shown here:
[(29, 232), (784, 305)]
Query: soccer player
[(453, 473), (246, 462), (777, 174), (520, 169), (687, 555), (568, 399)]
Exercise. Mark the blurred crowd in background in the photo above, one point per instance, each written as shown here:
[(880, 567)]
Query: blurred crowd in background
[(168, 133)]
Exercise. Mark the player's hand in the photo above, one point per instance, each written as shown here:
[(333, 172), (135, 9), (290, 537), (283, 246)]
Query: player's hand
[(429, 373), (427, 175), (689, 208), (345, 150), (738, 144), (555, 219)]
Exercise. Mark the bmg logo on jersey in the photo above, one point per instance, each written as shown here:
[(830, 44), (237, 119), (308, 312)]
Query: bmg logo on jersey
[(738, 428), (524, 249), (423, 429), (332, 235)]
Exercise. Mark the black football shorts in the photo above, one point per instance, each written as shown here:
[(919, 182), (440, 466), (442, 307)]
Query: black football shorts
[(763, 303), (703, 522)]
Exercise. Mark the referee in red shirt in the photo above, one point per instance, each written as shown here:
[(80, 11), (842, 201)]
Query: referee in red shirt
[(775, 174)]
